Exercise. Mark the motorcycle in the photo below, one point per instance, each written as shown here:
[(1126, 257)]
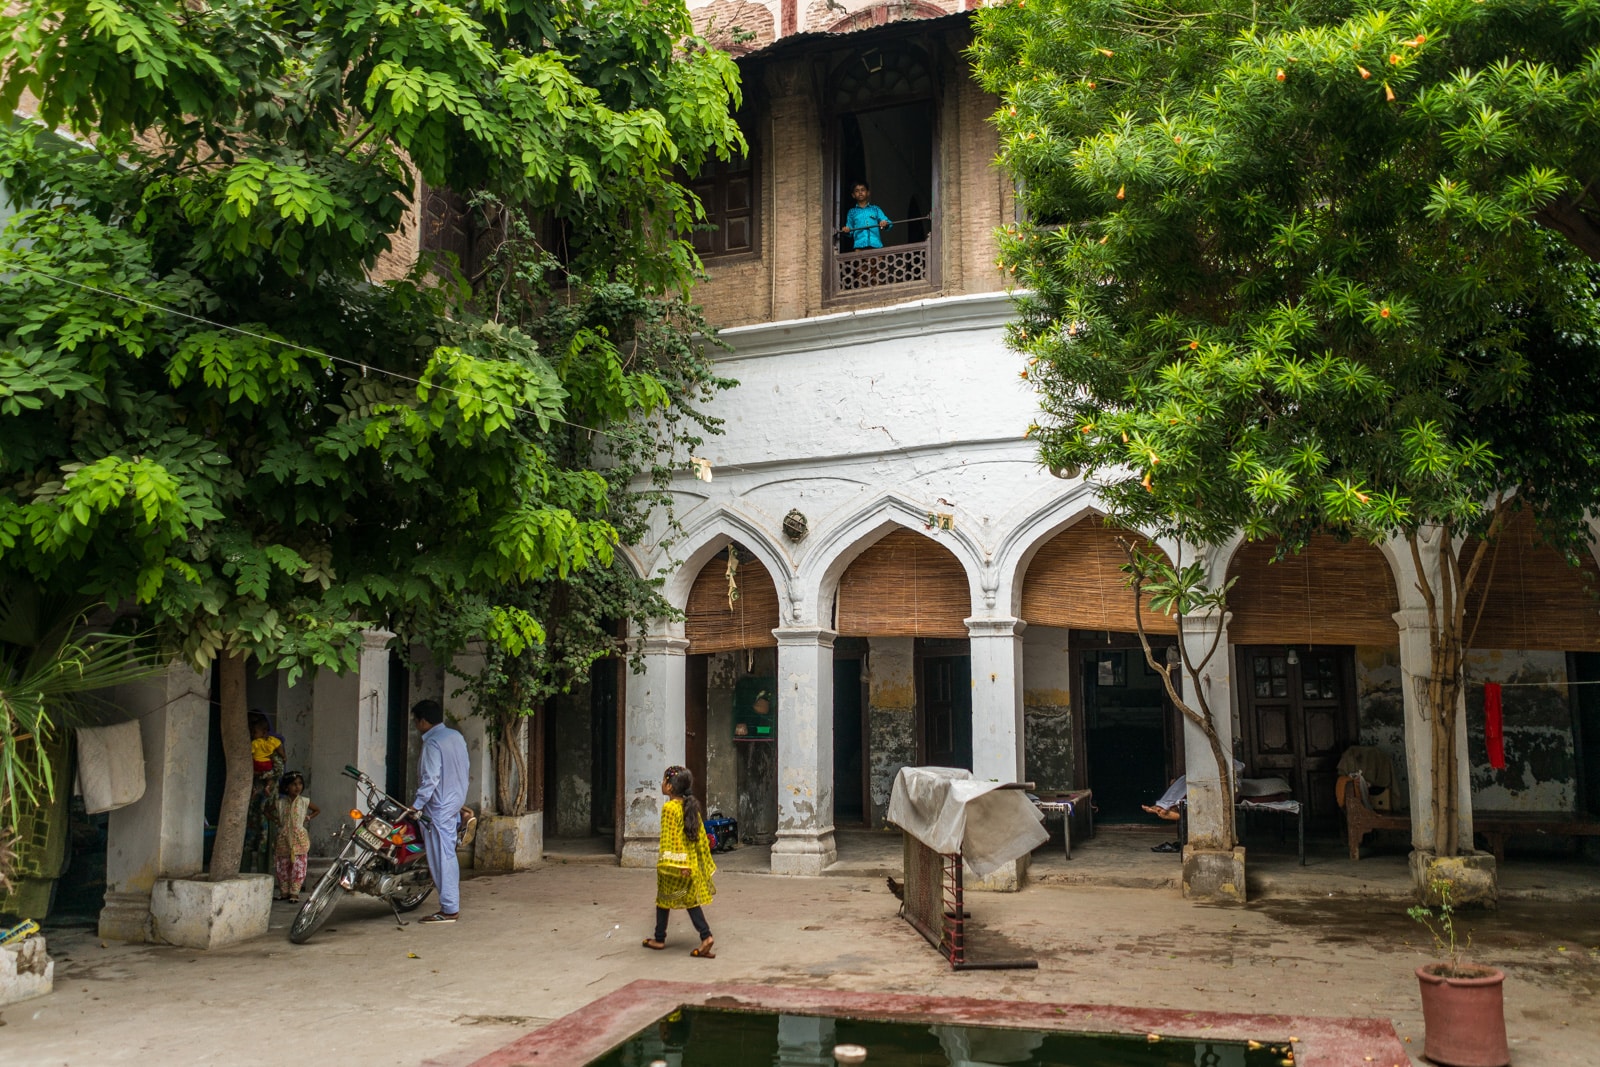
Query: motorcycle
[(383, 856)]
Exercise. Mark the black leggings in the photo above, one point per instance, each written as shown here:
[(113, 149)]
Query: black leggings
[(696, 916)]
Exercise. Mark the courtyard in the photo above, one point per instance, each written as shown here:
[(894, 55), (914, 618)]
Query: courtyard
[(536, 945)]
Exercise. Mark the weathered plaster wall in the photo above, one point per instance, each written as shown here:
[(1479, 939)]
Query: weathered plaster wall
[(1541, 770), (891, 715), (572, 734), (722, 765), (1047, 708), (1380, 712)]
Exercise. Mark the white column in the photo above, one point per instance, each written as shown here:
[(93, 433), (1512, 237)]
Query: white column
[(654, 742), (161, 835), (1416, 665), (997, 737), (460, 712), (1202, 633), (805, 844), (350, 724)]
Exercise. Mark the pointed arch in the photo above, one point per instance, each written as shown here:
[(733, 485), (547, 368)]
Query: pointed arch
[(1331, 592), (1074, 581), (835, 548), (709, 534)]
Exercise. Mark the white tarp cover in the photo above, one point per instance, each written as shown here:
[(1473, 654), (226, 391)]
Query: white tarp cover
[(949, 811)]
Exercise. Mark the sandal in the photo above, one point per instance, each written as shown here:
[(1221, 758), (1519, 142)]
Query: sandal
[(651, 942), (704, 951)]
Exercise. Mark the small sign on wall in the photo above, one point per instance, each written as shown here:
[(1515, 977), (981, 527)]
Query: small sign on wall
[(755, 709)]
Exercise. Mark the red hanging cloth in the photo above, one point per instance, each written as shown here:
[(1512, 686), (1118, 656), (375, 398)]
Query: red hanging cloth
[(1493, 726)]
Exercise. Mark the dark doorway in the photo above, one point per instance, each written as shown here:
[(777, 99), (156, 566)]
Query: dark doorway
[(1131, 735), (1299, 715), (605, 687), (399, 725), (697, 678), (890, 148), (849, 742), (944, 703)]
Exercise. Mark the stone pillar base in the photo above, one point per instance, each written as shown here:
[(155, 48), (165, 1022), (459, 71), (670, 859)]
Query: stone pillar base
[(126, 916), (1213, 875), (639, 851), (1472, 878), (806, 853), (1008, 879), (26, 971), (200, 913), (509, 842)]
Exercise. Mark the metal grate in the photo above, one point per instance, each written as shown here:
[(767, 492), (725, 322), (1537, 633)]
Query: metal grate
[(933, 899), (871, 268)]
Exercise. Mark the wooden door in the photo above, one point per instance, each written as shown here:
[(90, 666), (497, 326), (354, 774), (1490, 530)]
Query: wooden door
[(945, 706), (1299, 716), (697, 678)]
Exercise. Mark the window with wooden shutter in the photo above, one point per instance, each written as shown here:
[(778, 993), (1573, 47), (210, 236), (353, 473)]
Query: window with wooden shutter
[(727, 191)]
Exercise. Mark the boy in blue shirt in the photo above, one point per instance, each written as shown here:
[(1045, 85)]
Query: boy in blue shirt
[(866, 222)]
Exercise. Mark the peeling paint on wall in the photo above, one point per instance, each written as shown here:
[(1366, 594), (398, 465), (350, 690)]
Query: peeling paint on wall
[(1380, 712), (1047, 731), (1541, 770), (891, 716)]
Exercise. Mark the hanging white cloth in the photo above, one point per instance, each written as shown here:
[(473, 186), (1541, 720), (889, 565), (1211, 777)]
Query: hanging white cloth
[(110, 766)]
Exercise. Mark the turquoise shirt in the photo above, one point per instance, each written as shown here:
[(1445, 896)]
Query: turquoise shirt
[(863, 223)]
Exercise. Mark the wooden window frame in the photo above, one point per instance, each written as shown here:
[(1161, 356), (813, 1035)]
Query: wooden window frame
[(718, 183), (832, 207)]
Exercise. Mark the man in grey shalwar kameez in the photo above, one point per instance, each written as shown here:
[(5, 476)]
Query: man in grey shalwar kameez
[(441, 791)]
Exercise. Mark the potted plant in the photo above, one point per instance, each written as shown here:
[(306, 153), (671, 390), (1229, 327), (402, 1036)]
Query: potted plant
[(1463, 1010)]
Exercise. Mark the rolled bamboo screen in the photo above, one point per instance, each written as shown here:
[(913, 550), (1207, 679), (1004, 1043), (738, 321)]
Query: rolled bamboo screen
[(1076, 581), (1331, 593), (712, 627), (906, 585), (1536, 600)]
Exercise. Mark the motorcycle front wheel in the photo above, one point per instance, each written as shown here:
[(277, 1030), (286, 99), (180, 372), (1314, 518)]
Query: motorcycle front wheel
[(318, 906)]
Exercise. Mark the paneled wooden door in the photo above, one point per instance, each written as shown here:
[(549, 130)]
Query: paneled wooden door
[(1299, 715)]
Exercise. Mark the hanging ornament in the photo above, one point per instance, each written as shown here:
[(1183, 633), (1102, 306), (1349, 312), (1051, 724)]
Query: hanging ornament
[(733, 576)]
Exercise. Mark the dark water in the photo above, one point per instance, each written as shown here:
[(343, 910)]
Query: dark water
[(697, 1037)]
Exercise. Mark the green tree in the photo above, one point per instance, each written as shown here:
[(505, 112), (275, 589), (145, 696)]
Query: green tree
[(209, 408), (1320, 267)]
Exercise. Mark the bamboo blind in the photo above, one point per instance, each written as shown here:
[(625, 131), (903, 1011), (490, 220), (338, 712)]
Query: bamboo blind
[(1076, 581), (1536, 599), (1330, 593), (906, 585), (712, 627)]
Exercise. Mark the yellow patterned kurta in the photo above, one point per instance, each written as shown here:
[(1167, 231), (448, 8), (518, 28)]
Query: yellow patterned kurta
[(683, 869)]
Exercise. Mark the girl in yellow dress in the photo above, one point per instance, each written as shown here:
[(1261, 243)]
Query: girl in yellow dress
[(684, 865)]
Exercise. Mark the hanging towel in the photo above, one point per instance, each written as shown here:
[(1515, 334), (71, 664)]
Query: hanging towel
[(110, 766), (1494, 734)]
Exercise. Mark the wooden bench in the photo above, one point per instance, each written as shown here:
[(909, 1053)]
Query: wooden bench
[(1496, 826), (1361, 818)]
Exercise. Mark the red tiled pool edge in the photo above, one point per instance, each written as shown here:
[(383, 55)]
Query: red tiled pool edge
[(594, 1029)]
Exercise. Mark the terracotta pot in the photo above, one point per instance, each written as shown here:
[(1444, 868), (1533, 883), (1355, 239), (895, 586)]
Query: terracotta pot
[(1464, 1018)]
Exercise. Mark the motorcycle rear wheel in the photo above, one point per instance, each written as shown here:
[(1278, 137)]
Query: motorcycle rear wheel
[(414, 901), (317, 908)]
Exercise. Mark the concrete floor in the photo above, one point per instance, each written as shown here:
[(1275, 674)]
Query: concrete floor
[(536, 945)]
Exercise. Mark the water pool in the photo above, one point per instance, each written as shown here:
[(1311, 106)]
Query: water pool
[(707, 1037), (691, 1024)]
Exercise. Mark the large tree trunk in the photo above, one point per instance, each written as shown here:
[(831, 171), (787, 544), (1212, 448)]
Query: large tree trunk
[(228, 850), (511, 768)]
